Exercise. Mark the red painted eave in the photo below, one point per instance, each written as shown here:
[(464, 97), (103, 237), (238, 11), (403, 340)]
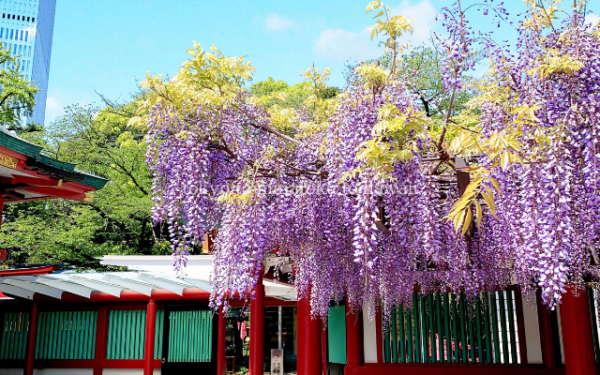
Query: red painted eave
[(157, 294), (28, 271)]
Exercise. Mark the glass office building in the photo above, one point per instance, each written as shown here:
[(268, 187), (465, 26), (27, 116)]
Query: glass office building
[(27, 27)]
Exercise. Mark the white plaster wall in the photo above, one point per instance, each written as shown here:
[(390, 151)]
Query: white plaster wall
[(532, 333), (369, 337), (11, 371), (127, 371), (63, 371)]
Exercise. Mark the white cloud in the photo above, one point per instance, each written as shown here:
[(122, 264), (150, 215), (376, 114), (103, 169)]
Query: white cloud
[(54, 109), (338, 44), (341, 45), (275, 22), (592, 19), (422, 16), (52, 104)]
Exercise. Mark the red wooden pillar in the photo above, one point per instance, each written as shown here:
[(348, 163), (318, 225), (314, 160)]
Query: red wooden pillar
[(101, 339), (3, 254), (257, 329), (30, 356), (301, 337), (354, 339), (309, 347), (577, 333), (324, 352), (150, 336), (221, 362), (1, 209), (379, 336), (546, 333)]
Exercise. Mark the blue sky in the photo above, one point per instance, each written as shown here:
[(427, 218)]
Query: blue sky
[(106, 46)]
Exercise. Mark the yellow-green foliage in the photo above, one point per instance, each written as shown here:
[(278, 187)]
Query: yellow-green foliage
[(208, 78)]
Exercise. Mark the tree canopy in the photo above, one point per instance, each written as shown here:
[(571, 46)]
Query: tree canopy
[(17, 95), (117, 221)]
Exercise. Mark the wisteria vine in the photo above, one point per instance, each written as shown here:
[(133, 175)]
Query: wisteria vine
[(356, 191)]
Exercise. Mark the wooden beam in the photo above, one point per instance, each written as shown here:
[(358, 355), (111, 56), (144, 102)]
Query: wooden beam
[(33, 181), (57, 193)]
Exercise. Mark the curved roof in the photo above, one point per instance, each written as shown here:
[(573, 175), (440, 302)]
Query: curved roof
[(150, 276), (28, 173)]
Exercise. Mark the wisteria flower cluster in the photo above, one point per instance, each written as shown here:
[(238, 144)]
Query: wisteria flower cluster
[(356, 191)]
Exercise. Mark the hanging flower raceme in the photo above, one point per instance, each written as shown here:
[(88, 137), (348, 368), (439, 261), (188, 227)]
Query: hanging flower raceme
[(356, 191), (548, 210)]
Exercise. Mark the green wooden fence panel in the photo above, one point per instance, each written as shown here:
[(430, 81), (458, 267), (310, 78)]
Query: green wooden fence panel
[(185, 352), (471, 339), (172, 329), (14, 335), (454, 342), (158, 338), (3, 343), (22, 327), (336, 334), (394, 335), (386, 346), (127, 333), (59, 335), (84, 326), (7, 335), (14, 351), (494, 328), (65, 335), (409, 333), (76, 347), (190, 336), (486, 329), (417, 327), (40, 335), (433, 330), (448, 328), (478, 331), (194, 339), (401, 334), (423, 318), (440, 335), (16, 332), (49, 350), (463, 329), (191, 349)]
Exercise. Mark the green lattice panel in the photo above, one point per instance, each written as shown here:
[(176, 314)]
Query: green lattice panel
[(66, 335), (446, 328), (14, 335), (127, 334), (190, 336)]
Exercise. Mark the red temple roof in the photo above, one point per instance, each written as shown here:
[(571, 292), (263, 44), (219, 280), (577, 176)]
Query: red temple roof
[(28, 174)]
